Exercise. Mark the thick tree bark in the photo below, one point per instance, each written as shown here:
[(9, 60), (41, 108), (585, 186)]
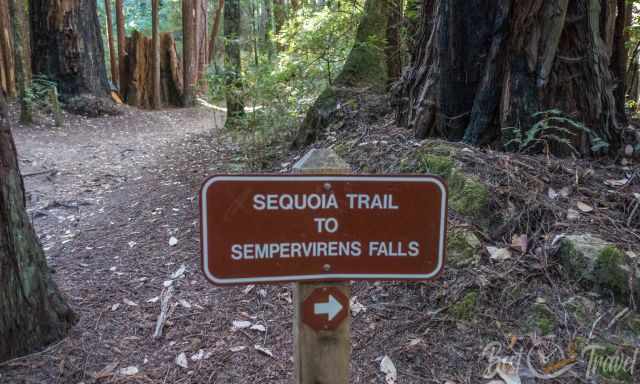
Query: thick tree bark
[(67, 46), (188, 52), (233, 62), (155, 5), (139, 69), (202, 42), (122, 43), (214, 31), (365, 68), (113, 55), (393, 50), (482, 69), (33, 313), (6, 44), (22, 61), (619, 60)]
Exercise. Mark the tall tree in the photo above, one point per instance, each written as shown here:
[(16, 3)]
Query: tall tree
[(266, 27), (155, 5), (365, 67), (214, 30), (393, 50), (67, 46), (188, 52), (483, 71), (619, 59), (7, 49), (202, 44), (233, 62), (32, 311), (122, 44), (21, 56), (112, 49)]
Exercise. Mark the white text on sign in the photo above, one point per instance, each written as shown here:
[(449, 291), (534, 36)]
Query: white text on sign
[(326, 225)]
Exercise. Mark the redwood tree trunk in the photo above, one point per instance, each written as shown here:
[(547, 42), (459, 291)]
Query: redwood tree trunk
[(619, 59), (214, 31), (233, 62), (67, 46), (7, 50), (122, 44), (32, 311), (20, 27), (156, 55), (113, 55), (188, 52), (483, 68), (202, 44)]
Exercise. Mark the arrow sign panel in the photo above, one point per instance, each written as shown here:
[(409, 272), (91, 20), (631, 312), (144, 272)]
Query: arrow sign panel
[(330, 308), (325, 308)]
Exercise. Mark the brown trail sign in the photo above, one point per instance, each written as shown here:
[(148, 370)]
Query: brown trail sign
[(315, 227), (259, 229)]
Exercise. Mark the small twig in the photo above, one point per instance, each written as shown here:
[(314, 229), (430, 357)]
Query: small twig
[(49, 348), (39, 173), (593, 327), (165, 297), (618, 317)]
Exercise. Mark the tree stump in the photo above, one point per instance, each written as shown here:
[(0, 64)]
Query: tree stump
[(137, 81)]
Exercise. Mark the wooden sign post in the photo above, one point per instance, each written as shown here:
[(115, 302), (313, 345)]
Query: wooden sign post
[(320, 228), (321, 356)]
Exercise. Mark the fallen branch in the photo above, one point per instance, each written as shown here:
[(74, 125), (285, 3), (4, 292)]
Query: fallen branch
[(50, 171), (165, 297)]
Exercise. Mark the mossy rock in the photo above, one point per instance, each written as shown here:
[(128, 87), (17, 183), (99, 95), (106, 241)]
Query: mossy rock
[(463, 248), (582, 309), (469, 198), (611, 270), (598, 265), (467, 195), (465, 309)]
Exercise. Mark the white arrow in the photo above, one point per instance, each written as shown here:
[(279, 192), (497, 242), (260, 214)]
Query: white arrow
[(330, 308)]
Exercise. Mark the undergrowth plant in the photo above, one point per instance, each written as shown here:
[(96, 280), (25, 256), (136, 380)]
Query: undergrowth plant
[(42, 94), (313, 45), (552, 126)]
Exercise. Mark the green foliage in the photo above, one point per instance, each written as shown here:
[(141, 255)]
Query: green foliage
[(313, 45), (608, 270), (552, 126), (42, 94), (465, 308)]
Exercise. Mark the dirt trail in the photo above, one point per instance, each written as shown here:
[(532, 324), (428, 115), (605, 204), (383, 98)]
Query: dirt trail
[(107, 195)]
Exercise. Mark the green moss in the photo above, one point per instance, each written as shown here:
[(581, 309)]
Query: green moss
[(470, 200), (462, 248), (438, 165), (573, 262), (608, 271), (543, 319), (465, 308)]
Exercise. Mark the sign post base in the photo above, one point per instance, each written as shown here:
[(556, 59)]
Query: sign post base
[(321, 356)]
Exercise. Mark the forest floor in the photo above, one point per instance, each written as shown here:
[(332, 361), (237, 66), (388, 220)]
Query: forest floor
[(114, 201)]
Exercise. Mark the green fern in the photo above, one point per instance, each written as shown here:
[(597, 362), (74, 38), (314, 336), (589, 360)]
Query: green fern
[(552, 126)]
